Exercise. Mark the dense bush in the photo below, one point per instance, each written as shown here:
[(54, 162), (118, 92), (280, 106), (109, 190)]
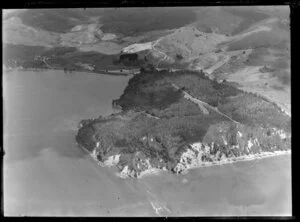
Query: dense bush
[(179, 57), (147, 91), (180, 122), (21, 52), (249, 109), (205, 89), (84, 137)]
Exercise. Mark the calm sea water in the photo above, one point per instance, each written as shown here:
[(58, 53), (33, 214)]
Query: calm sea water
[(45, 173)]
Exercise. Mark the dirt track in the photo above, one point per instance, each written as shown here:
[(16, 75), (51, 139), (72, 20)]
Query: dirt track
[(202, 105)]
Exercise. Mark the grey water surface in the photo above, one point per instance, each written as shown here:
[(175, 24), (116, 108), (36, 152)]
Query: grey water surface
[(47, 174)]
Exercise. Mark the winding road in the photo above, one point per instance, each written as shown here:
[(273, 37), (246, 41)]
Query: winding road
[(159, 52)]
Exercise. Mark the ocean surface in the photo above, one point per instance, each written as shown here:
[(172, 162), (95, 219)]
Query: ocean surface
[(47, 174)]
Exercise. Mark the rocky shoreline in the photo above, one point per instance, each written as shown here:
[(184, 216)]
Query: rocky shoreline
[(196, 156), (182, 167), (9, 69)]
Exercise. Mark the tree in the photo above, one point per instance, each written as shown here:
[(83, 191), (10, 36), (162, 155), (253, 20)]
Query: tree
[(142, 70), (179, 57)]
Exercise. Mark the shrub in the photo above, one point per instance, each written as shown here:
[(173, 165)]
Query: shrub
[(179, 57)]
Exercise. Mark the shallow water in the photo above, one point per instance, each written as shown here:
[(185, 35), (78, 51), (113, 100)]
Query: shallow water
[(45, 173), (260, 187)]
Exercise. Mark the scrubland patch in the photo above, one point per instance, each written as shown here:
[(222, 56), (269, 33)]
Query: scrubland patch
[(129, 21), (252, 110), (249, 15), (189, 42), (14, 32), (217, 19), (59, 20), (107, 48)]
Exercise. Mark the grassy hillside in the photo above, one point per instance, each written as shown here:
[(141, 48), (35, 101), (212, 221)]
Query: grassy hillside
[(249, 15), (63, 57), (216, 19), (129, 21), (263, 38), (58, 20), (21, 55)]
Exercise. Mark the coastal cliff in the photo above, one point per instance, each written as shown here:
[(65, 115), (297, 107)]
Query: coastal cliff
[(181, 120)]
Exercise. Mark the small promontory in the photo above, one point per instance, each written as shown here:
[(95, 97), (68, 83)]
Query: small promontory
[(174, 121)]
